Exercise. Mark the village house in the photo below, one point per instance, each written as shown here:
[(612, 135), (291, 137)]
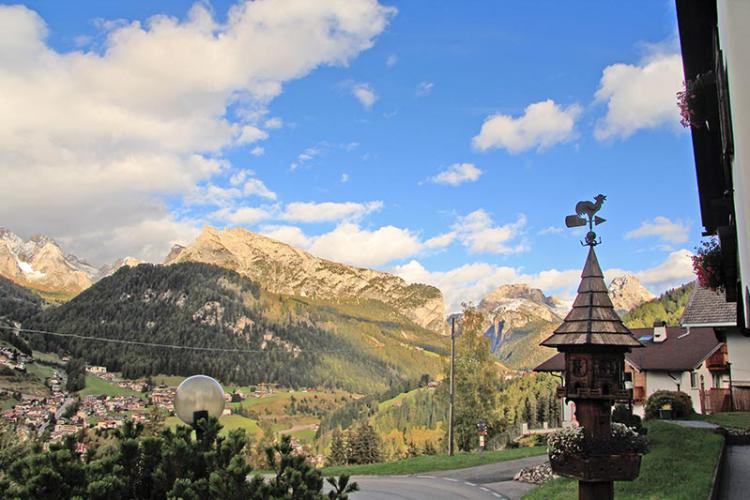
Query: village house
[(672, 358), (730, 389)]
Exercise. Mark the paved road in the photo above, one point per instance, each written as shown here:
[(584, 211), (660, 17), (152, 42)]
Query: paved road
[(490, 481), (735, 482)]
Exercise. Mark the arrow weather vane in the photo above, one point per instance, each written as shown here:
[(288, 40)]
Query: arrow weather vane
[(589, 210)]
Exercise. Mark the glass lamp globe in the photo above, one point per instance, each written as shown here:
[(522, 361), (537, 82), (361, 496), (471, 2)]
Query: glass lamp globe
[(199, 396)]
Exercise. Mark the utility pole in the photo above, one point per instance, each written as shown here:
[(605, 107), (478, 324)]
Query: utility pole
[(450, 406)]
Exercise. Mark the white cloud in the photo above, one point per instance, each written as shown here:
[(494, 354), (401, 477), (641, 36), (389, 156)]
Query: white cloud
[(676, 270), (469, 283), (550, 230), (257, 151), (274, 122), (542, 125), (90, 141), (440, 241), (149, 239), (478, 232), (344, 178), (365, 94), (424, 88), (308, 154), (256, 187), (250, 134), (241, 215), (391, 60), (662, 228), (351, 244), (457, 174), (290, 235), (328, 211), (639, 96)]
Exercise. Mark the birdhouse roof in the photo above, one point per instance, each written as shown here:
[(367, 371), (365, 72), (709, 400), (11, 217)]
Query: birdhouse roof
[(592, 320)]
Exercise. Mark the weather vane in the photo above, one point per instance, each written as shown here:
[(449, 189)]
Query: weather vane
[(589, 210)]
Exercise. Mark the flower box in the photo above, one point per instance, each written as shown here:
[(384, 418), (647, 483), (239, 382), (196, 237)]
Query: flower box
[(624, 467)]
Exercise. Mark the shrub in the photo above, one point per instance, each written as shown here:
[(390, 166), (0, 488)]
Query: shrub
[(682, 405), (570, 441), (622, 415)]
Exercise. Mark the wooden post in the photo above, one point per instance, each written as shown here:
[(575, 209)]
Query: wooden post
[(594, 416)]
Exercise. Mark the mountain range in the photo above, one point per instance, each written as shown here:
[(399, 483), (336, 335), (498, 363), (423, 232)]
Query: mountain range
[(262, 336), (40, 264), (378, 311), (283, 269), (529, 316)]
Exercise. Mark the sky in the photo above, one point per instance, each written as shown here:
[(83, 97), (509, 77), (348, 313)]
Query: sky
[(442, 141)]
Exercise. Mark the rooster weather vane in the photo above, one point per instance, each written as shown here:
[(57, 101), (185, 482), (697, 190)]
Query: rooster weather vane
[(586, 214)]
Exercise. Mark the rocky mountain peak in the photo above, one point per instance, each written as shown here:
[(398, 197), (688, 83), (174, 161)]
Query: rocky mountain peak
[(281, 268), (519, 291), (518, 305), (40, 263), (627, 292)]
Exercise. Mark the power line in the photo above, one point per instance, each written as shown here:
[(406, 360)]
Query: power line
[(154, 344)]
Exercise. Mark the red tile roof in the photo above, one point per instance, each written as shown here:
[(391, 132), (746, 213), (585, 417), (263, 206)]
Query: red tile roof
[(681, 351)]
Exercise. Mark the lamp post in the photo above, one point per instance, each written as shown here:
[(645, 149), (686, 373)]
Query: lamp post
[(198, 397), (450, 405)]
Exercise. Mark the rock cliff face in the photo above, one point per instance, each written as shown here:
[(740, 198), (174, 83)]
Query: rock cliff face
[(283, 269), (529, 316), (109, 270), (627, 293), (518, 305), (40, 263)]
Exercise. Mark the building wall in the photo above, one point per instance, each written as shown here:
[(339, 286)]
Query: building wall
[(661, 381), (738, 348), (734, 38)]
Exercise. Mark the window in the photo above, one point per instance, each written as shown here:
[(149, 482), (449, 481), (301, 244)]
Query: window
[(693, 380)]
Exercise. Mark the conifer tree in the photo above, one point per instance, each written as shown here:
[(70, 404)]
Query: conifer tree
[(338, 448)]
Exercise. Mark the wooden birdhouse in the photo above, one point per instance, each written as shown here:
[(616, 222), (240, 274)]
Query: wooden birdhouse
[(594, 341)]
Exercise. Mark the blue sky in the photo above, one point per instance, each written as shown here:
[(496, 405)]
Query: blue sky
[(443, 141)]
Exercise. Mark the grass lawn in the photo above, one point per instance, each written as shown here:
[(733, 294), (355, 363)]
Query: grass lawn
[(304, 436), (40, 371), (7, 404), (96, 386), (436, 462), (228, 422), (168, 380), (734, 419), (680, 466), (49, 357)]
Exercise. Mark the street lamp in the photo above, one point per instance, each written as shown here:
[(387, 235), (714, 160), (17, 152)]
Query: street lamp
[(198, 397)]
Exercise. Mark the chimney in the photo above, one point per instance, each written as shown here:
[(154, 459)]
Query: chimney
[(660, 331)]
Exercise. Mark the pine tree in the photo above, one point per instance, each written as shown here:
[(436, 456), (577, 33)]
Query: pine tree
[(338, 449)]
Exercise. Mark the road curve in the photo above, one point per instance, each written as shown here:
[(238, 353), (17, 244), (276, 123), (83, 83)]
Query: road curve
[(491, 481)]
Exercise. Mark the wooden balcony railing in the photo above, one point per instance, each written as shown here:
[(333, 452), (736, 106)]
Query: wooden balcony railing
[(718, 360)]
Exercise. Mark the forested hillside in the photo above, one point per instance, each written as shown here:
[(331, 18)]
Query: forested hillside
[(294, 342), (667, 307), (17, 303)]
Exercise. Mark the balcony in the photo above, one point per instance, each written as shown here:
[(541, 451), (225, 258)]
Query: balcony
[(717, 362)]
